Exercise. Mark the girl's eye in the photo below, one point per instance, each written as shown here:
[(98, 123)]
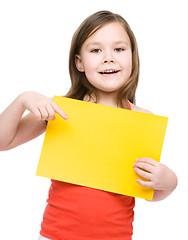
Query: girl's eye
[(118, 49), (96, 50)]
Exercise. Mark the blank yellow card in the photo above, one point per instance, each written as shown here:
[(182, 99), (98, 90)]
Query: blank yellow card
[(97, 146)]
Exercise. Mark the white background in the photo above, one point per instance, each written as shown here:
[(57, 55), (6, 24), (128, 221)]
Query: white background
[(34, 46)]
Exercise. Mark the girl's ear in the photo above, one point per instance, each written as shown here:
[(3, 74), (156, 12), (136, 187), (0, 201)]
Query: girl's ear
[(78, 62)]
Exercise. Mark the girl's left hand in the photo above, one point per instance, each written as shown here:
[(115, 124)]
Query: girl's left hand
[(158, 175)]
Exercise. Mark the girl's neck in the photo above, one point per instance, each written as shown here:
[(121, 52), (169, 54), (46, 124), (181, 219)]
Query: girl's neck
[(108, 99)]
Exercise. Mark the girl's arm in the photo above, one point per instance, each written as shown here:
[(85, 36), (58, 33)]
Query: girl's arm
[(15, 129), (159, 176)]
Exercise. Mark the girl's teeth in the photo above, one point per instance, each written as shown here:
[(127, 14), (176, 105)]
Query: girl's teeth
[(109, 71)]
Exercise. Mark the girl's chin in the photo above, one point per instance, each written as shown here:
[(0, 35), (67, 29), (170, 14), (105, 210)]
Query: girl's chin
[(111, 87), (108, 90)]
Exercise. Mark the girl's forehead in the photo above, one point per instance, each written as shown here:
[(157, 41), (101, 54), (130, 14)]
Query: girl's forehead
[(114, 31)]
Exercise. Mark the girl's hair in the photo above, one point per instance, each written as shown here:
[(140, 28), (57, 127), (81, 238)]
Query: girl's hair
[(80, 86)]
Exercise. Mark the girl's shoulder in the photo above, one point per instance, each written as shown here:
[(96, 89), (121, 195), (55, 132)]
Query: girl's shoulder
[(139, 109)]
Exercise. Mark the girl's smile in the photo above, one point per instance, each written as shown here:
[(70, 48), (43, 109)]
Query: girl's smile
[(106, 58), (109, 72)]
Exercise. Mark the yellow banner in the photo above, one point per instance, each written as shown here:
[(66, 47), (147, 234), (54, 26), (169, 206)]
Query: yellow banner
[(97, 146)]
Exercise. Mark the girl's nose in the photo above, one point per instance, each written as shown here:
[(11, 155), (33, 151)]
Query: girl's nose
[(108, 58)]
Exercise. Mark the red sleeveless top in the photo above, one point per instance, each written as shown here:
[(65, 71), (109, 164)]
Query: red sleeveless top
[(76, 212)]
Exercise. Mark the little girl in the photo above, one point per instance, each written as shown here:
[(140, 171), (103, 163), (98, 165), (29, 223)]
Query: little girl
[(104, 69)]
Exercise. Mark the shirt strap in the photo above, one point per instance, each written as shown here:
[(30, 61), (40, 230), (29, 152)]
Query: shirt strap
[(130, 108)]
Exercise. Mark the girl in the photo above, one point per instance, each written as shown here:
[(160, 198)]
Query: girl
[(104, 69)]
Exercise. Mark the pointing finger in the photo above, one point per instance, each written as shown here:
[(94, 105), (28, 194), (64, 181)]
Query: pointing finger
[(59, 111)]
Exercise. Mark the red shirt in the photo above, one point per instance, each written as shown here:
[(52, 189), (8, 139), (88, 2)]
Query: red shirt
[(75, 212)]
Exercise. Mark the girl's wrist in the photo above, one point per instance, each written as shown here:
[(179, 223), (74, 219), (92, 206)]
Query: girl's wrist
[(21, 102), (171, 182)]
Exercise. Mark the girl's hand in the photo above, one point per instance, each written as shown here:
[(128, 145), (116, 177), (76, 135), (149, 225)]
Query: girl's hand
[(159, 176), (42, 107)]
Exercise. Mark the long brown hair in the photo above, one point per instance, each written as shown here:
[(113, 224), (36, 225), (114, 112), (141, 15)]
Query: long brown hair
[(80, 86)]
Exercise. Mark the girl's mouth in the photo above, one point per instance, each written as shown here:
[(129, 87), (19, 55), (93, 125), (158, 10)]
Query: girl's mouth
[(108, 72)]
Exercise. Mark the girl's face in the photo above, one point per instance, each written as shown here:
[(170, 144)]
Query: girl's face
[(106, 58)]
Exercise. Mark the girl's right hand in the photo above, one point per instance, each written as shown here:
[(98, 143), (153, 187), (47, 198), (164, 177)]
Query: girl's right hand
[(42, 107)]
